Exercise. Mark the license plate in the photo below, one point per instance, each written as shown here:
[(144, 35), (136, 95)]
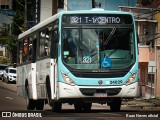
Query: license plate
[(100, 94)]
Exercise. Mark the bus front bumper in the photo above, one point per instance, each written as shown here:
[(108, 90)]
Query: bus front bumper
[(125, 91)]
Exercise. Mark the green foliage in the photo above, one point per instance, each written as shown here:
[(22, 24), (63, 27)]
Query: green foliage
[(4, 60), (3, 40), (11, 44), (145, 2), (18, 19), (10, 41)]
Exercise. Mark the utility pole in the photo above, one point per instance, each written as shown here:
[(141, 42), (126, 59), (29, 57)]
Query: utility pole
[(25, 16)]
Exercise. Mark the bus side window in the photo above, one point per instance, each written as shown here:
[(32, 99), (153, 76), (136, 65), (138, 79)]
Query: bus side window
[(30, 50), (45, 41), (20, 52), (34, 48), (42, 43), (25, 49), (54, 44), (48, 40)]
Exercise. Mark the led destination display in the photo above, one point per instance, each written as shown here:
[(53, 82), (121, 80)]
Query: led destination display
[(97, 19)]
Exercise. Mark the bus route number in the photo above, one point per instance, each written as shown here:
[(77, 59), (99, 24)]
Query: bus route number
[(75, 20), (87, 59)]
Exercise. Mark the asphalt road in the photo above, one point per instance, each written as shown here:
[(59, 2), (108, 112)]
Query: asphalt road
[(16, 107)]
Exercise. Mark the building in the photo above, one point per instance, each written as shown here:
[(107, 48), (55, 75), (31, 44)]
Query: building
[(6, 15), (157, 44), (148, 28)]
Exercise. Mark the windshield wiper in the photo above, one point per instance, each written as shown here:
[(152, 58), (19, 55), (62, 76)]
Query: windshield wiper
[(110, 36), (111, 53)]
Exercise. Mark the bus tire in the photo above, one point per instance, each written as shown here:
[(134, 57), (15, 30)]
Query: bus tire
[(56, 106), (87, 106), (115, 105), (78, 106), (31, 104), (39, 104)]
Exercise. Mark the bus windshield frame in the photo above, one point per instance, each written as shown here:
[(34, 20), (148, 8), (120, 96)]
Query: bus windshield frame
[(99, 37)]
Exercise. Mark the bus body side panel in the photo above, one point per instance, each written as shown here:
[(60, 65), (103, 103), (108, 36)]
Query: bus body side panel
[(23, 74), (42, 71)]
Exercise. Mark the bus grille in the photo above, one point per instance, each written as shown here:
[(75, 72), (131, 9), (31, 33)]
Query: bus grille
[(92, 91)]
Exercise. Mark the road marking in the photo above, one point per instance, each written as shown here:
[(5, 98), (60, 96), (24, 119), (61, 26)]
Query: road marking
[(9, 98)]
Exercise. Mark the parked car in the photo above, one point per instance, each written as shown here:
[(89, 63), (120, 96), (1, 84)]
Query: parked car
[(2, 68), (10, 75)]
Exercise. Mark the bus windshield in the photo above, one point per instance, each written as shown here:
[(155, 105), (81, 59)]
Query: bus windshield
[(98, 48)]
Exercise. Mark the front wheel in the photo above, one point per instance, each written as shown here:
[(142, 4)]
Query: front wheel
[(78, 106), (115, 105), (87, 106), (56, 106), (39, 104)]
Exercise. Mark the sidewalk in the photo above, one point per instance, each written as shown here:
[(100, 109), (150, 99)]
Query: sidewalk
[(152, 103)]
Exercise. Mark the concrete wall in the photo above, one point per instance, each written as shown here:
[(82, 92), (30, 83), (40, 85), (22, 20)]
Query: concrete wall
[(45, 9), (144, 54), (157, 89)]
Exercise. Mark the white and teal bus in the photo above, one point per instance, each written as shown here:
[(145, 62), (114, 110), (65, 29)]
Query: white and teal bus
[(80, 58)]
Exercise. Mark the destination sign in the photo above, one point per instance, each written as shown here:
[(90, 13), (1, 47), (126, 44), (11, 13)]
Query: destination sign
[(97, 19)]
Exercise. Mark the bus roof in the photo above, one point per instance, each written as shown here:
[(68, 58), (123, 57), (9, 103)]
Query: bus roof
[(56, 16), (94, 10), (36, 27)]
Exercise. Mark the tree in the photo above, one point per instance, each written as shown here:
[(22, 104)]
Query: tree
[(10, 41), (18, 19), (145, 2)]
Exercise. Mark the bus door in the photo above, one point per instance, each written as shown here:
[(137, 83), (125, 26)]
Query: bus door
[(32, 58), (53, 67)]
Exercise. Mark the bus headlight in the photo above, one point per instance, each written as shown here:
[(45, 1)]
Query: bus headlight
[(131, 79), (67, 79)]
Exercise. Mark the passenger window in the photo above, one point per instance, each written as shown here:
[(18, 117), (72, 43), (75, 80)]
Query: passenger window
[(42, 43), (45, 41), (48, 40), (20, 52), (25, 50), (30, 49)]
